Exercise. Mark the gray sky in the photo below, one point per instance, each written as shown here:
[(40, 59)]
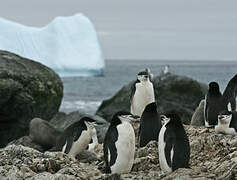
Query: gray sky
[(145, 29)]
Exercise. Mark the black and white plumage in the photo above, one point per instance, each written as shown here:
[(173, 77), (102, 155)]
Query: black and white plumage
[(215, 102), (76, 137), (150, 125), (174, 148), (119, 144), (227, 123), (142, 93)]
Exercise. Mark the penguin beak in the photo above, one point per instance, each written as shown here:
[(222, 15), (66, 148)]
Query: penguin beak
[(164, 119), (91, 124)]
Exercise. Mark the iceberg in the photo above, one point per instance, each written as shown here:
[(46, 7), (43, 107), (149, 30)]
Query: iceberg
[(68, 45)]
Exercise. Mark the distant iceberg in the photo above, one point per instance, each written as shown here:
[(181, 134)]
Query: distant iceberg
[(68, 45)]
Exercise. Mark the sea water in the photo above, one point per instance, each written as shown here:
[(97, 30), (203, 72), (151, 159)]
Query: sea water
[(85, 94)]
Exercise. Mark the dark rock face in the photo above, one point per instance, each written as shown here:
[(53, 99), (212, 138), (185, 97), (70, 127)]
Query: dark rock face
[(172, 92), (27, 89)]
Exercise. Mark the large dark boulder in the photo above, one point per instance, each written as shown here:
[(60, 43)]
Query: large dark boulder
[(28, 89), (172, 92)]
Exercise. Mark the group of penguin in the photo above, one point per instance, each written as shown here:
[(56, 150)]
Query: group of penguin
[(220, 109), (167, 129), (119, 142)]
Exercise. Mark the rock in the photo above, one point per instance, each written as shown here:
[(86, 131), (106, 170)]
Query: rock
[(198, 115), (62, 121), (27, 141), (28, 89), (172, 92), (43, 133), (87, 156), (19, 162), (213, 156)]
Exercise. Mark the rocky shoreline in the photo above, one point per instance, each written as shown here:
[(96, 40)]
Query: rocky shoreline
[(213, 156), (26, 95)]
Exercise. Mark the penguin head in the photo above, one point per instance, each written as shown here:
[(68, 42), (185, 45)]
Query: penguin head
[(224, 117), (143, 76), (123, 116), (171, 118), (152, 107), (214, 88), (89, 122)]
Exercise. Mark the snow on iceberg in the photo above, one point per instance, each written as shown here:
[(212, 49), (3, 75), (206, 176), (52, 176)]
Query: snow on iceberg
[(68, 45)]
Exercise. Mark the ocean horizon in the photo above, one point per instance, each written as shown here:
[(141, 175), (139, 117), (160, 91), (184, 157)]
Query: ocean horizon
[(85, 94)]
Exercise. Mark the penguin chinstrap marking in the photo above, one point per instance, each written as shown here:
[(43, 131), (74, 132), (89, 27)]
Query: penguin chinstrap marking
[(119, 144), (76, 137), (215, 102), (142, 93), (227, 123), (150, 125), (173, 145)]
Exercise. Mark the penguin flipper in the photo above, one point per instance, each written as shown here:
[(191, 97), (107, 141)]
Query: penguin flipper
[(69, 142), (110, 151), (230, 93), (133, 90), (181, 154), (169, 139)]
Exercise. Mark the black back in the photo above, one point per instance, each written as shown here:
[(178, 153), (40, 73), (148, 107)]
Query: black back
[(71, 134), (229, 95), (214, 103), (175, 137), (150, 125), (111, 137)]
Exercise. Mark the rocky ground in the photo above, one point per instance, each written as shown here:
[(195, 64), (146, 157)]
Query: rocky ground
[(213, 156)]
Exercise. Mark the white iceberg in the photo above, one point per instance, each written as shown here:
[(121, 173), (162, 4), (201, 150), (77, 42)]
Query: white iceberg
[(68, 45)]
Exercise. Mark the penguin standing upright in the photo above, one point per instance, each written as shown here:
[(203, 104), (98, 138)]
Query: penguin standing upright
[(150, 125), (142, 93), (119, 144), (227, 123), (174, 148), (76, 137), (215, 102)]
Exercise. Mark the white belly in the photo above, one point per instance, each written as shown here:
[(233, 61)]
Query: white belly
[(81, 144), (143, 96), (163, 163), (125, 149)]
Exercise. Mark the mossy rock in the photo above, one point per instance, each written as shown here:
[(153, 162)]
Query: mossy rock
[(28, 89)]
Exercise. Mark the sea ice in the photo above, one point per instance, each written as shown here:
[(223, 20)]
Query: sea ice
[(68, 45)]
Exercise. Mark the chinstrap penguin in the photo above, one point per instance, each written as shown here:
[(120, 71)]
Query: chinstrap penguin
[(119, 144), (215, 102), (142, 93), (227, 123), (173, 145), (150, 125), (76, 137)]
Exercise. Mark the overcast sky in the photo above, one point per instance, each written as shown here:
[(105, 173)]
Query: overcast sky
[(145, 29)]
